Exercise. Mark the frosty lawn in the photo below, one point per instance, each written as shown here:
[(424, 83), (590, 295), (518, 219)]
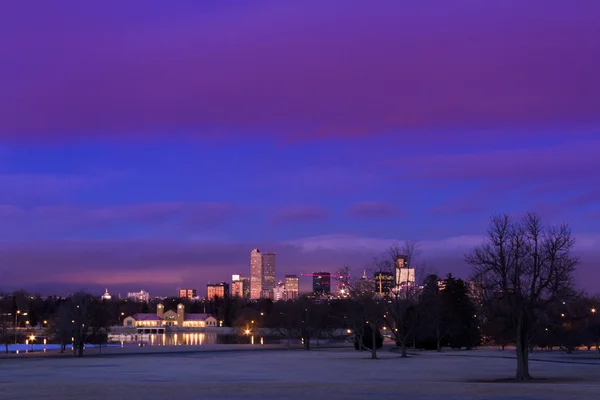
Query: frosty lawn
[(331, 374)]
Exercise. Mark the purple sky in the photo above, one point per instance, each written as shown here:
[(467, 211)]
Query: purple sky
[(145, 145)]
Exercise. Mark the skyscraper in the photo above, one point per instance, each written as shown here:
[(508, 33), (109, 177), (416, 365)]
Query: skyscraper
[(256, 274), (240, 286), (279, 292), (384, 282), (322, 282), (291, 287), (405, 275), (220, 290), (268, 265)]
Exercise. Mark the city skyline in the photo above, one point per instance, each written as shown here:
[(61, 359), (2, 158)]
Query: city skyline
[(155, 152)]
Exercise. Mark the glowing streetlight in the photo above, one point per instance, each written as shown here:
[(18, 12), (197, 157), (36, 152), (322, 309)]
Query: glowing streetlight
[(593, 310), (562, 315), (247, 331)]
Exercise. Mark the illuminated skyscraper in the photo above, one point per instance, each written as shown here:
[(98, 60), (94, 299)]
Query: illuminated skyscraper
[(268, 265), (291, 287), (404, 273), (256, 274), (279, 292), (220, 290), (240, 286)]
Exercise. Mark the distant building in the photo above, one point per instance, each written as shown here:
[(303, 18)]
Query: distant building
[(256, 274), (322, 282), (141, 296), (269, 283), (279, 292), (240, 286), (106, 296), (187, 294), (220, 290), (262, 274), (405, 275), (384, 282), (156, 323), (291, 285)]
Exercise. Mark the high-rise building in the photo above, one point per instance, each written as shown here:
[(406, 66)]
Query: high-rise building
[(237, 289), (384, 282), (322, 282), (256, 274), (240, 286), (187, 293), (291, 287), (279, 292), (142, 296), (220, 290), (405, 275), (246, 286), (268, 283)]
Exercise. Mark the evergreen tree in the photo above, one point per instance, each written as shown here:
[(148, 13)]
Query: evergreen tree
[(459, 315)]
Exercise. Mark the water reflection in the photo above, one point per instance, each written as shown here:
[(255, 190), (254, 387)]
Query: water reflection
[(185, 339)]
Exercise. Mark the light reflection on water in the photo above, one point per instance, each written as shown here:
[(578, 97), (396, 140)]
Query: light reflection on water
[(183, 339)]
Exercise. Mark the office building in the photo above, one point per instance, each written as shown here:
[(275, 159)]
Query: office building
[(187, 294), (268, 283), (322, 282), (240, 286), (220, 290), (141, 296), (384, 282), (262, 274), (291, 285), (279, 292), (256, 274), (405, 275)]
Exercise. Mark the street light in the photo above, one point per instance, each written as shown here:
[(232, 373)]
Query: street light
[(593, 310)]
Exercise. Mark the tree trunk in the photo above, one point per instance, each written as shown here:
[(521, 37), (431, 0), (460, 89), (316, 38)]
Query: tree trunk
[(522, 352), (306, 341), (438, 338), (6, 347), (403, 347), (374, 344)]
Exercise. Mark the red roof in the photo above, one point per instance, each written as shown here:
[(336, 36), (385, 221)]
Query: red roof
[(146, 317), (196, 317)]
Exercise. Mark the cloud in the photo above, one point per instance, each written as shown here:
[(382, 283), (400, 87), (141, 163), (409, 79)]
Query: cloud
[(145, 219), (202, 70), (300, 213), (373, 209)]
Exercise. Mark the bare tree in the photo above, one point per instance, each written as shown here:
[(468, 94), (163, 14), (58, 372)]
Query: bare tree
[(527, 266), (367, 310)]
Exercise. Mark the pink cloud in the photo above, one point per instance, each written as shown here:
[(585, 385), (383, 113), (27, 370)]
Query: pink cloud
[(362, 69), (373, 209), (300, 213)]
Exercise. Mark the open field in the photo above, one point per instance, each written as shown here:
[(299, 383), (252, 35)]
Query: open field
[(326, 373)]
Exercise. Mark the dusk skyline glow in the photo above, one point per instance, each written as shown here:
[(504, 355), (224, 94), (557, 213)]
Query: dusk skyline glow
[(152, 146)]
